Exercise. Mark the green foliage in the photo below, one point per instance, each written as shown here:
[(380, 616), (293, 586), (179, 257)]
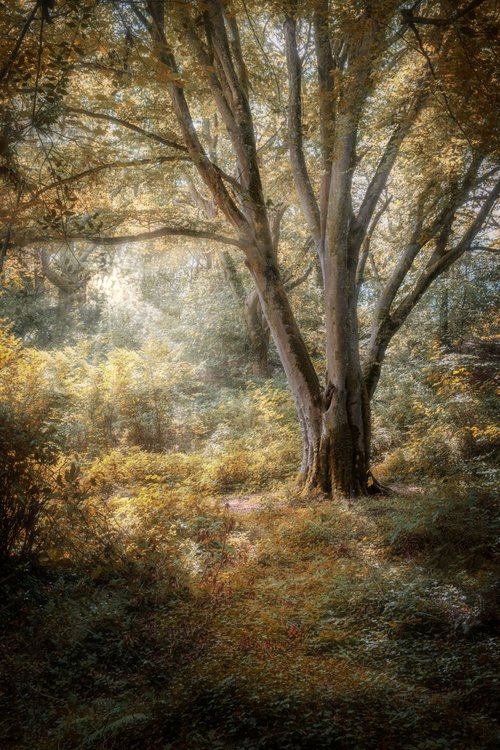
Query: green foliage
[(212, 328), (448, 528), (27, 450), (163, 619), (26, 484), (137, 610), (436, 419)]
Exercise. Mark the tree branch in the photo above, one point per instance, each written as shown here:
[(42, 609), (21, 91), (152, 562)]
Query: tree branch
[(221, 97), (217, 38), (151, 136), (440, 262), (208, 171), (55, 278), (294, 283), (130, 126), (295, 143), (119, 164), (388, 159), (139, 237), (409, 18), (365, 247)]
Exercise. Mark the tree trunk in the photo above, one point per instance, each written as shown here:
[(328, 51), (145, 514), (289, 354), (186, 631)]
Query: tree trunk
[(335, 424), (337, 445), (70, 298), (299, 370), (255, 321), (259, 335), (66, 304), (3, 248), (346, 424), (444, 318)]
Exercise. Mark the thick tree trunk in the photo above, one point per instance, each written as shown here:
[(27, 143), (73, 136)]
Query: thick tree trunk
[(335, 424), (337, 445), (347, 415)]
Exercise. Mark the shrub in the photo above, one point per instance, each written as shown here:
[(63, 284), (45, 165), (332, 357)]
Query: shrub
[(27, 448), (437, 422), (25, 485)]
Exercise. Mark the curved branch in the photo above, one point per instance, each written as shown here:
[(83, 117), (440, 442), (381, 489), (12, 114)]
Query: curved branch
[(152, 136), (388, 159), (130, 126), (55, 278), (119, 164), (294, 283), (365, 245), (139, 237), (388, 323), (207, 169)]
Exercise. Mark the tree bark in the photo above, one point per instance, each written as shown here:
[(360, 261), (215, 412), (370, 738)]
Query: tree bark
[(335, 424), (299, 370), (258, 334), (255, 321), (444, 318)]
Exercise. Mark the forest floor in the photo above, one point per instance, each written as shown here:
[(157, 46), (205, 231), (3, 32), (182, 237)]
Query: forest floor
[(367, 625)]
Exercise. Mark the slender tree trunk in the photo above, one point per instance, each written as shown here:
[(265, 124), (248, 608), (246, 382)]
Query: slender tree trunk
[(299, 370), (444, 318), (66, 304), (259, 335), (3, 248), (255, 321)]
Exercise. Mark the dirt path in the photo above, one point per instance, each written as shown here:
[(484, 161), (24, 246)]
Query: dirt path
[(243, 503), (253, 502)]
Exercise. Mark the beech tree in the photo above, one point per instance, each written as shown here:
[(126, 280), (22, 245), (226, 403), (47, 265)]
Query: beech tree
[(426, 154)]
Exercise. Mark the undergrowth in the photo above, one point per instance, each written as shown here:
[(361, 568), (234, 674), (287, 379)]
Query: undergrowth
[(137, 611), (367, 626)]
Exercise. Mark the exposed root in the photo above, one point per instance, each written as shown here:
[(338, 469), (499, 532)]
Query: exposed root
[(374, 487)]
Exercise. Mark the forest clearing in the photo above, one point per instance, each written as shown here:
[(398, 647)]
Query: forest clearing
[(249, 358)]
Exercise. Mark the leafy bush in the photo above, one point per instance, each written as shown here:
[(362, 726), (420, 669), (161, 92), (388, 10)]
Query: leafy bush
[(26, 485), (27, 449), (436, 420)]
